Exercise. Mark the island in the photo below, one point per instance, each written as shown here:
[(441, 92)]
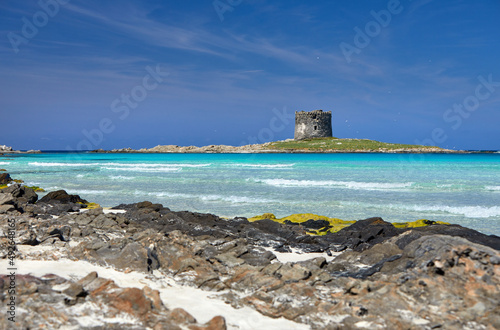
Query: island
[(309, 145)]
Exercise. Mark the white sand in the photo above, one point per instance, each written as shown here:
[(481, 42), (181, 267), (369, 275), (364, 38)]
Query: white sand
[(106, 211), (297, 256), (198, 303)]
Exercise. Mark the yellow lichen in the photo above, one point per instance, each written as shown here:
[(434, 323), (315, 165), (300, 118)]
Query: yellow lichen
[(418, 223), (36, 188), (335, 224), (90, 206)]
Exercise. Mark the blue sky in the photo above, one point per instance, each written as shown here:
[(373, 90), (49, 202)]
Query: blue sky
[(108, 74)]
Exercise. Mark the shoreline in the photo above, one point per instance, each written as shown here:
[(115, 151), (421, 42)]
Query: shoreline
[(143, 265), (138, 151)]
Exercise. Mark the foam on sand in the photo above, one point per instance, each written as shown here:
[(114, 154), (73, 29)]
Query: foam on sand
[(203, 305)]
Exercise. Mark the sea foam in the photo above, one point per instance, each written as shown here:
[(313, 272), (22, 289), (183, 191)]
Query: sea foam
[(261, 166), (208, 197), (467, 211), (144, 169), (121, 177), (331, 183), (52, 164)]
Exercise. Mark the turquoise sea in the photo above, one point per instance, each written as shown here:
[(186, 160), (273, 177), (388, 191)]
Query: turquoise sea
[(457, 188)]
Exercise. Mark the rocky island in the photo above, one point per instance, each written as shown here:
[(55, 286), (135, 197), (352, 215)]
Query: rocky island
[(312, 145), (144, 266), (9, 150)]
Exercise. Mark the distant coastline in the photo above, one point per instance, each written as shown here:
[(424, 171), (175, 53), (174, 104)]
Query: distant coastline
[(9, 150), (317, 145)]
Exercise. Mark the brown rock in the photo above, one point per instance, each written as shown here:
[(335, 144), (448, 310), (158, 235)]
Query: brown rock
[(130, 300), (5, 178), (217, 323), (180, 316)]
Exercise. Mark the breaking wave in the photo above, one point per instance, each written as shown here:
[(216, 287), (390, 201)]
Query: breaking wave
[(467, 211), (261, 166), (330, 183)]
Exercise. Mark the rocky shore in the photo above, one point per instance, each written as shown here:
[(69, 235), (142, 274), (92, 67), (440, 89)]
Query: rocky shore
[(144, 266), (252, 148), (9, 150)]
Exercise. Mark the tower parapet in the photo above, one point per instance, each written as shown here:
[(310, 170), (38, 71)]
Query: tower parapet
[(313, 124)]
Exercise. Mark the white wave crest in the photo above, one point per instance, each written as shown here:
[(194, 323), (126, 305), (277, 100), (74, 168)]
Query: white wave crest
[(124, 165), (342, 184), (4, 163), (155, 165), (493, 188), (468, 211), (88, 192), (273, 166), (144, 169), (234, 199), (121, 177), (208, 198), (50, 164)]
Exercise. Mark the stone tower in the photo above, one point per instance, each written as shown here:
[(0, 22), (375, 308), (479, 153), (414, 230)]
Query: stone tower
[(313, 124)]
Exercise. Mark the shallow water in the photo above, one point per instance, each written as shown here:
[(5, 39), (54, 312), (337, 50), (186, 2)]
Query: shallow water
[(457, 188)]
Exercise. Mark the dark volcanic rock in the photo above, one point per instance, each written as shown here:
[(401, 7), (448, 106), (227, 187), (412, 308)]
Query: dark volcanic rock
[(471, 235), (58, 202), (5, 178), (21, 193), (61, 196), (17, 198), (363, 234), (315, 224)]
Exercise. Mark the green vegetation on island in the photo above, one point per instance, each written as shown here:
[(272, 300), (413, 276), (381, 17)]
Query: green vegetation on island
[(348, 145)]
